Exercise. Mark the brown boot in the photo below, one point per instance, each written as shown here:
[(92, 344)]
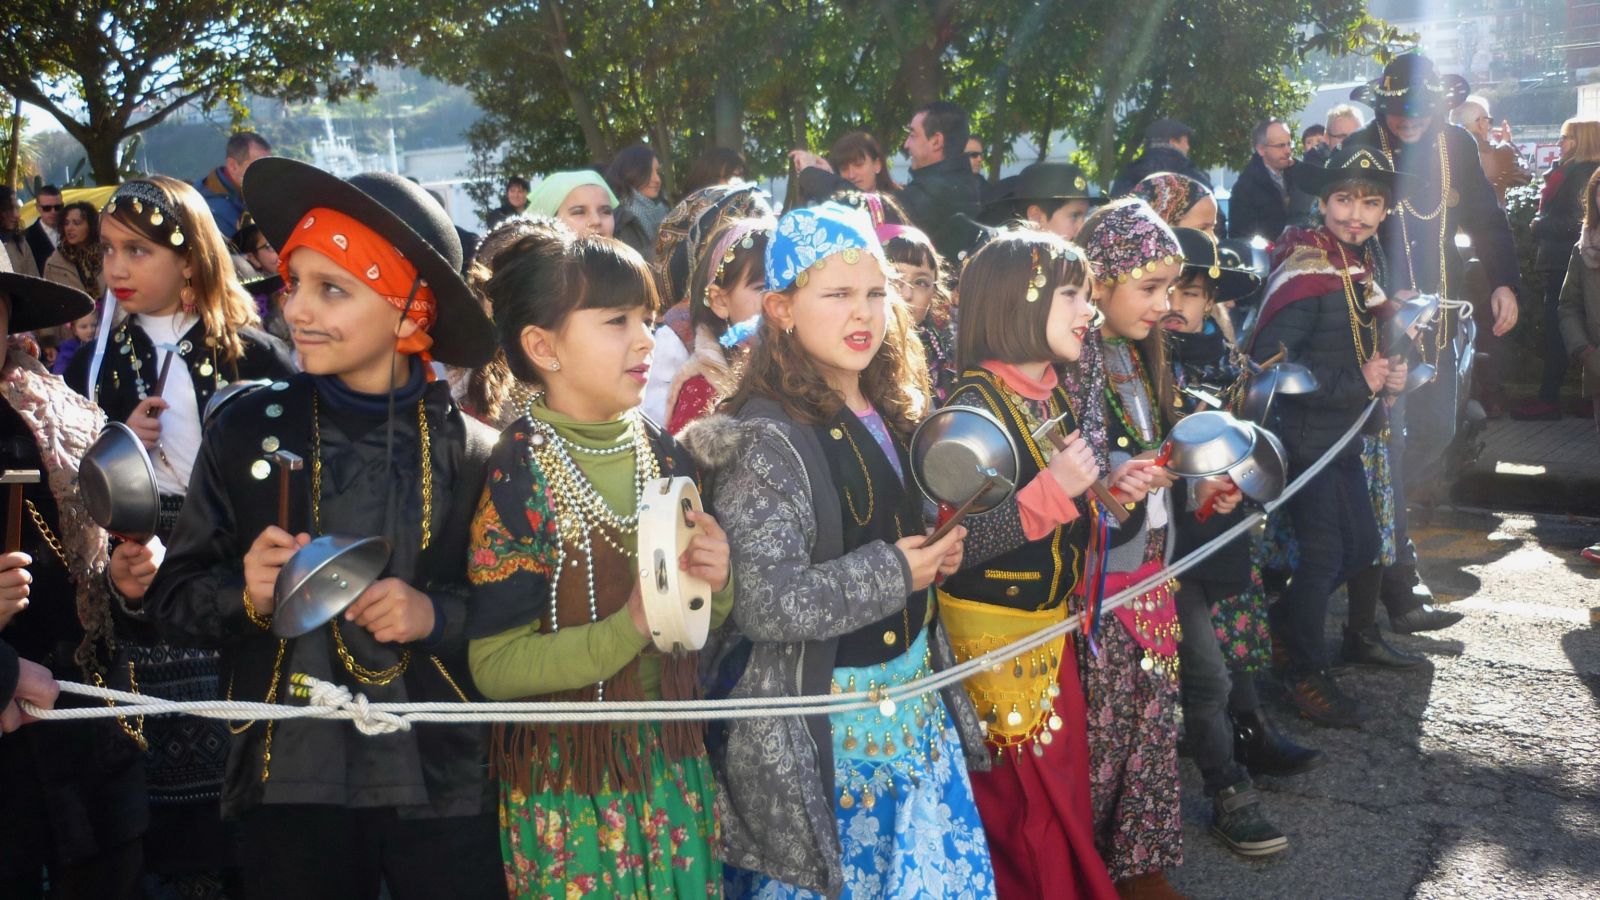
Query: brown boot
[(1149, 886)]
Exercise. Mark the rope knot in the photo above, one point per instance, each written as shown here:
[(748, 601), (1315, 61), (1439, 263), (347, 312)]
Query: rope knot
[(355, 707)]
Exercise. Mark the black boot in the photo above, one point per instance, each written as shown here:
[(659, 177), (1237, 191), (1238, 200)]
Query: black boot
[(1368, 648), (1261, 748), (1426, 617)]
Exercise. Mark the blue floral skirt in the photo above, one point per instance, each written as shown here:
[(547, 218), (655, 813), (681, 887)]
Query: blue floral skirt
[(908, 824)]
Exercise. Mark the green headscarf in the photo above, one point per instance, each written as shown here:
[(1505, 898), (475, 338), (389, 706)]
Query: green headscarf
[(547, 198)]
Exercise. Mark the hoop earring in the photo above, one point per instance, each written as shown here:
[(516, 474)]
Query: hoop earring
[(186, 296)]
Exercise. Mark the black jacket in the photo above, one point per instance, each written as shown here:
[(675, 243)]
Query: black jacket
[(1469, 205), (39, 243), (1316, 332), (1259, 207), (68, 790), (1200, 359), (196, 599), (1560, 218), (942, 199), (264, 357), (1153, 160)]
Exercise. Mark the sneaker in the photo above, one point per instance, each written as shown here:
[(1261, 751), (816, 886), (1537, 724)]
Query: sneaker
[(1536, 411), (1592, 553), (1318, 698), (1237, 821)]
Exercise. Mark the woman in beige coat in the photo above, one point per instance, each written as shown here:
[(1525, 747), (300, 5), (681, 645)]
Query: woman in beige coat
[(76, 262)]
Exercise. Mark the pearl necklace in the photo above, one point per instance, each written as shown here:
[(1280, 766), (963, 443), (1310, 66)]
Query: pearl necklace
[(581, 512)]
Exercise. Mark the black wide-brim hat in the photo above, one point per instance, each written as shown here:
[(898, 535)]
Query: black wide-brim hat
[(1044, 181), (1410, 86), (1234, 277), (1351, 162), (279, 192), (37, 303)]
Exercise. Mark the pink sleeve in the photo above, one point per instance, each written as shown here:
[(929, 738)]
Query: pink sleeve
[(1043, 505)]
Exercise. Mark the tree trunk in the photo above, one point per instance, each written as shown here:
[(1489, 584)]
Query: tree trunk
[(599, 149), (726, 113), (100, 147)]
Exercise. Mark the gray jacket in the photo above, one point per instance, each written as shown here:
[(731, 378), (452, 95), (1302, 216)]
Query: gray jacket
[(799, 592), (1579, 315)]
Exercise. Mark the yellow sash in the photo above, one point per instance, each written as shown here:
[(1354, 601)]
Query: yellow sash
[(1016, 698)]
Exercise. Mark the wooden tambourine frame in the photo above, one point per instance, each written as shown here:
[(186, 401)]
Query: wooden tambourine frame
[(677, 605)]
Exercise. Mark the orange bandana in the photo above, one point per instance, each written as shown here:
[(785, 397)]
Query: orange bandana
[(363, 253)]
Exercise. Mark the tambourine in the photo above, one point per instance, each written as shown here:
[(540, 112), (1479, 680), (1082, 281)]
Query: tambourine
[(677, 605)]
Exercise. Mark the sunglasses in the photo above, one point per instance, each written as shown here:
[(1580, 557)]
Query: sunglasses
[(45, 207)]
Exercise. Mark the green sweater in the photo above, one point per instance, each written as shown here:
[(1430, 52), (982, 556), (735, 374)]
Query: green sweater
[(525, 662)]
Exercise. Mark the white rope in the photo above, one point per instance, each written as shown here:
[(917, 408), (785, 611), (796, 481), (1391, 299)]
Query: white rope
[(329, 701)]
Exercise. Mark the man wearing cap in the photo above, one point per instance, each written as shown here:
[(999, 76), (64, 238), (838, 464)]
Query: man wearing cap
[(1166, 149), (1442, 191), (375, 294)]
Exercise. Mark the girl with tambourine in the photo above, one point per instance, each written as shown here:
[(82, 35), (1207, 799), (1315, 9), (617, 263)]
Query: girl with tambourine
[(614, 809)]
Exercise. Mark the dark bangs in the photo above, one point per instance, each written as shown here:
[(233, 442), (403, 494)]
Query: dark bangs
[(611, 275)]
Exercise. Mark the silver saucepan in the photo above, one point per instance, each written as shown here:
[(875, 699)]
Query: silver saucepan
[(119, 484)]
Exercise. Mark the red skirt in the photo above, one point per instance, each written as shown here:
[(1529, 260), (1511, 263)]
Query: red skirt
[(1036, 810)]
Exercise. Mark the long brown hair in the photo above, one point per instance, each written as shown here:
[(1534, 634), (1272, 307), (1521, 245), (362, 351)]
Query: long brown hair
[(1591, 203), (220, 300), (895, 382), (857, 146)]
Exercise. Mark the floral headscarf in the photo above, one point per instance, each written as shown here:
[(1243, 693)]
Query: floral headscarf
[(807, 236), (1171, 195), (1126, 237)]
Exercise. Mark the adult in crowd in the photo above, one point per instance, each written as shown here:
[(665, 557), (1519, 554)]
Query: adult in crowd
[(942, 197), (1265, 200), (469, 239), (719, 165), (76, 262), (1166, 149), (45, 232), (19, 256), (220, 187), (514, 202), (974, 154), (1313, 139), (858, 159), (1501, 162), (635, 177), (1555, 229), (1580, 309), (1441, 191)]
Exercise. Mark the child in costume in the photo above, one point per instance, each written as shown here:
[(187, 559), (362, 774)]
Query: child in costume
[(374, 295), (181, 329), (1051, 196), (1028, 309), (729, 280), (1221, 604), (605, 809), (1131, 670), (923, 286), (73, 792), (1323, 307), (812, 482), (581, 199)]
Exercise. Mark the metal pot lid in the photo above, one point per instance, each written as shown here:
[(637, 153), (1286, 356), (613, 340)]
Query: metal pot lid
[(118, 482), (1263, 474), (956, 450), (323, 578)]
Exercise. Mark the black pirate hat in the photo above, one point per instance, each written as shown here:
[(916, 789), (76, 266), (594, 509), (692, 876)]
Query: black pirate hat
[(37, 303), (1234, 277), (281, 191), (1410, 86), (1040, 181), (1352, 162)]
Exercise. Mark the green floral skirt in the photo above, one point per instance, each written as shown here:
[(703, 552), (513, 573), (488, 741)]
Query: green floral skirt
[(660, 842)]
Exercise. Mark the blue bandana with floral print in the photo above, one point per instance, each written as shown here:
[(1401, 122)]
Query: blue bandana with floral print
[(810, 234)]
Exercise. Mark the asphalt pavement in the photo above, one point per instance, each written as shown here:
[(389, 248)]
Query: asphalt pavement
[(1479, 774)]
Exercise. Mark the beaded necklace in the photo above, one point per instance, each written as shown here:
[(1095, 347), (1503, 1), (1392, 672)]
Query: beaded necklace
[(581, 512), (1124, 387)]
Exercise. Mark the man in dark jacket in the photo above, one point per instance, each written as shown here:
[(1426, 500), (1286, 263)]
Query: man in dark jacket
[(942, 198), (1441, 191), (220, 186), (1265, 200), (1166, 149), (45, 232)]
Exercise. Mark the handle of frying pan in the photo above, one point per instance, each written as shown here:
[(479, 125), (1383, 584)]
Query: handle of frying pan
[(1210, 506), (1104, 494)]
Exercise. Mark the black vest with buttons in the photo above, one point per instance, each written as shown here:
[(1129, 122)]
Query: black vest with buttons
[(1039, 574), (876, 506)]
